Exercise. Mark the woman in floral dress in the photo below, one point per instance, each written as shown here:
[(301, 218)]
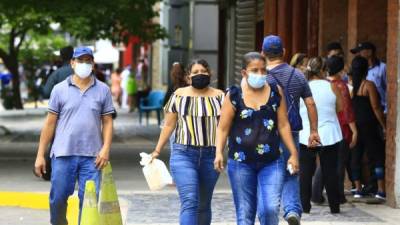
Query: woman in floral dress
[(254, 117)]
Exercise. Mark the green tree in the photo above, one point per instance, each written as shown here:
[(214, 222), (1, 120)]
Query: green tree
[(36, 51), (87, 20)]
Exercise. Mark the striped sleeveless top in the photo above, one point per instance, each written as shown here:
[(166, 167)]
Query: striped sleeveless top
[(197, 118)]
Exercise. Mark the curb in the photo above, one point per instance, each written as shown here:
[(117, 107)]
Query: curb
[(40, 112), (34, 200)]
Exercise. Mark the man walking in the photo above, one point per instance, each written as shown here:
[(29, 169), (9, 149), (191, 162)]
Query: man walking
[(80, 120), (295, 87)]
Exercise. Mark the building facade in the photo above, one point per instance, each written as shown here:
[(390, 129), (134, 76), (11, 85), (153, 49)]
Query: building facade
[(221, 31), (307, 26), (193, 33)]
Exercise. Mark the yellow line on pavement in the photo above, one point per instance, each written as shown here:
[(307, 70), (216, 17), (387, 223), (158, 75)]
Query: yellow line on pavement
[(38, 201)]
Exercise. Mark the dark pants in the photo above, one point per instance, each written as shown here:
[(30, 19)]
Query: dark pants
[(344, 163), (370, 142), (329, 166)]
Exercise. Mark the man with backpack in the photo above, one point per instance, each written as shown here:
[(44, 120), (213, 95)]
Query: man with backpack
[(295, 86)]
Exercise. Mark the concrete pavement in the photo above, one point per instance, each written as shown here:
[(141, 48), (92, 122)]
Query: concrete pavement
[(138, 205)]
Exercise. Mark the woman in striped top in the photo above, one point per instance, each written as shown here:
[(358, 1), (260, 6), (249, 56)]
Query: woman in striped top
[(193, 112)]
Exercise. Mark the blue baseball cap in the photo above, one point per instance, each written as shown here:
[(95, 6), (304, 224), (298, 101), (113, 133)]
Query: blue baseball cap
[(80, 51), (272, 44)]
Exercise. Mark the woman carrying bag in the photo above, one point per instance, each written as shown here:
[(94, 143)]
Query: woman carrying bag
[(193, 112)]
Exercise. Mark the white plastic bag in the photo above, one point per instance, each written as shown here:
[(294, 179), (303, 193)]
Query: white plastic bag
[(155, 172)]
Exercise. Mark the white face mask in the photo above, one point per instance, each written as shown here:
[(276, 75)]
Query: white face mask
[(83, 70)]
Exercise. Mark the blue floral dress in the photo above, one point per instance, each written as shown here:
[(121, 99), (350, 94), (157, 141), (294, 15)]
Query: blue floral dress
[(254, 136)]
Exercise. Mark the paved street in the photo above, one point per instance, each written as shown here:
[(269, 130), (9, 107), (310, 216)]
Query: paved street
[(138, 205)]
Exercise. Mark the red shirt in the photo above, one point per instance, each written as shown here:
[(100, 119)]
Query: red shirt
[(345, 116)]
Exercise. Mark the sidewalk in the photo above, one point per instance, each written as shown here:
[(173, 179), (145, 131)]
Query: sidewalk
[(25, 126), (138, 205), (151, 208)]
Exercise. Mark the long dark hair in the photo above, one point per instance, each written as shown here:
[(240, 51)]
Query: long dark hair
[(178, 75), (359, 71), (202, 62)]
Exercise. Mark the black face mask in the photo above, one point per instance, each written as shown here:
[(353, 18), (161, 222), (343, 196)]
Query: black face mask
[(200, 81)]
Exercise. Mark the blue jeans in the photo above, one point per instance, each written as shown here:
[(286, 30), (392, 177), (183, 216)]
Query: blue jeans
[(291, 188), (66, 171), (193, 171), (256, 188)]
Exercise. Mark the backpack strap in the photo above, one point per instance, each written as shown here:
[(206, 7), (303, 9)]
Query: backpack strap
[(288, 83), (276, 79), (290, 78)]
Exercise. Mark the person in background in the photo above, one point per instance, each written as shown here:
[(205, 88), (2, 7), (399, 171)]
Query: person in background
[(335, 66), (178, 78), (376, 69), (299, 61), (142, 80), (116, 89), (334, 48), (328, 101), (369, 120), (99, 74), (295, 86), (61, 73), (124, 81), (193, 113), (254, 117), (132, 91)]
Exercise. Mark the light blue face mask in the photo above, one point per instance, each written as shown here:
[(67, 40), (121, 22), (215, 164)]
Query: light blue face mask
[(256, 81)]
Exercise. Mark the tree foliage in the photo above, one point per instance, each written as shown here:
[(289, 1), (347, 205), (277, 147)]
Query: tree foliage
[(116, 20)]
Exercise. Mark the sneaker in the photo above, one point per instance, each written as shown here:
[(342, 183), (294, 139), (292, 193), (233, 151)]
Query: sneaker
[(293, 219), (380, 195), (353, 191), (357, 194)]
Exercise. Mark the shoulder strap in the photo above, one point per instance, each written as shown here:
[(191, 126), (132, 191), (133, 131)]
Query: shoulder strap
[(276, 79), (290, 78), (288, 83)]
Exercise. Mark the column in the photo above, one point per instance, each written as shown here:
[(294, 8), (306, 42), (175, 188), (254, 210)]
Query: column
[(313, 27), (299, 26), (352, 27), (270, 17), (284, 25), (393, 117)]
